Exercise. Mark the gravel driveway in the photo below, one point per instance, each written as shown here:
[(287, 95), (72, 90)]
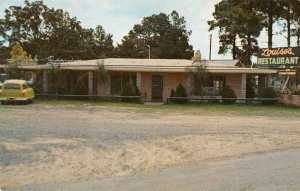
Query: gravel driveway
[(42, 144)]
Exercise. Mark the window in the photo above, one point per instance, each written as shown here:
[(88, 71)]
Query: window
[(116, 81), (25, 86), (211, 87), (119, 80), (12, 86)]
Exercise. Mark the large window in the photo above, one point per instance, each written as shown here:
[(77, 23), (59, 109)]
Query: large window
[(211, 87), (119, 80)]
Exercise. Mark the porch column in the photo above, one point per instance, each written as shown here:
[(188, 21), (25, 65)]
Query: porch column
[(91, 83), (138, 80), (189, 85), (243, 86), (33, 76), (261, 84), (269, 84), (45, 82)]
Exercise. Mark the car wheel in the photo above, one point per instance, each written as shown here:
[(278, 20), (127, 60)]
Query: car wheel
[(2, 102)]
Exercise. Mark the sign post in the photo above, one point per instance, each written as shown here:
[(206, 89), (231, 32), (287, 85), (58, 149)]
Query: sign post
[(286, 60)]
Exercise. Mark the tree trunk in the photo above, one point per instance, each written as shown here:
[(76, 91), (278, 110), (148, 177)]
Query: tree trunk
[(289, 26), (270, 28), (234, 47), (249, 50)]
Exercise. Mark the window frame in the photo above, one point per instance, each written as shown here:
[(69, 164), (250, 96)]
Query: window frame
[(122, 75), (212, 80)]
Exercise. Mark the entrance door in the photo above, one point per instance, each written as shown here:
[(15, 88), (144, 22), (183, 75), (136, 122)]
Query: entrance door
[(157, 88)]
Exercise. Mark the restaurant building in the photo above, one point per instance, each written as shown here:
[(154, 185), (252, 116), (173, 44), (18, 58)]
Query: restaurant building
[(154, 78)]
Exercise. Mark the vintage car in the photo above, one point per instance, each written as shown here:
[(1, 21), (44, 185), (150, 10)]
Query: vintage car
[(16, 90)]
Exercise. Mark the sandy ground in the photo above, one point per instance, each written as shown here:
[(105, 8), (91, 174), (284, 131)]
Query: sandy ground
[(274, 171), (47, 144)]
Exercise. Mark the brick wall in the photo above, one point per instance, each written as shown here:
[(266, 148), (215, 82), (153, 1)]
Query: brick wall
[(170, 80), (290, 100), (238, 83)]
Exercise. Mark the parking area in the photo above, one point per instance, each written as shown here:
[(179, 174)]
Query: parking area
[(46, 143)]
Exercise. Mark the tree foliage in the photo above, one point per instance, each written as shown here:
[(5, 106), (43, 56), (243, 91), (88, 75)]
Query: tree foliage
[(166, 35), (198, 70), (101, 72), (290, 17), (240, 23), (239, 26), (45, 31), (18, 56), (269, 93)]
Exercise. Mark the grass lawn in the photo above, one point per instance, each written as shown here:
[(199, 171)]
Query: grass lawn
[(204, 109)]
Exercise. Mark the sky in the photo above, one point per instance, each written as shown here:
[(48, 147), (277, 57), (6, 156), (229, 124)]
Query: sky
[(119, 16)]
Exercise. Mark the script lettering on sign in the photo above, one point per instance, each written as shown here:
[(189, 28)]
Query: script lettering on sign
[(277, 52), (279, 57)]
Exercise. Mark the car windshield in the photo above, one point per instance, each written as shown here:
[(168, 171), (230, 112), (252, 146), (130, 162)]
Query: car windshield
[(25, 86), (12, 86)]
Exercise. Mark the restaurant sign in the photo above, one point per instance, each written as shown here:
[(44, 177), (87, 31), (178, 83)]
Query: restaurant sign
[(278, 57)]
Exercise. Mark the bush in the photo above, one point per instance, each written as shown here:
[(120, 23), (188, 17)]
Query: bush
[(130, 90), (172, 93), (179, 92), (228, 92), (269, 93), (250, 87)]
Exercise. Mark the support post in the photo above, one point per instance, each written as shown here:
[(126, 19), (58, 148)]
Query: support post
[(33, 76), (91, 83), (244, 86), (189, 85), (261, 84), (138, 80), (45, 82)]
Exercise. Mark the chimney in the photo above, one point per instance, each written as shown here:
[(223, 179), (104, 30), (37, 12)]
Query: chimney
[(197, 56)]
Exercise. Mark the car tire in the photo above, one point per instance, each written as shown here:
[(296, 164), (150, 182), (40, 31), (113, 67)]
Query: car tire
[(2, 102)]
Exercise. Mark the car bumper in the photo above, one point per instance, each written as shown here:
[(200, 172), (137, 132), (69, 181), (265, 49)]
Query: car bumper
[(14, 99)]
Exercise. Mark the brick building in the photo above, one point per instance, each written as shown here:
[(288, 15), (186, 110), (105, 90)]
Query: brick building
[(153, 77)]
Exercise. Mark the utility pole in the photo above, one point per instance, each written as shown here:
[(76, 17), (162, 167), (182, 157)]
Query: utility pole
[(149, 50), (210, 40)]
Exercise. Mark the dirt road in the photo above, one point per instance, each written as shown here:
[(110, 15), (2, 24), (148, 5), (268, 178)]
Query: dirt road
[(42, 144), (273, 171)]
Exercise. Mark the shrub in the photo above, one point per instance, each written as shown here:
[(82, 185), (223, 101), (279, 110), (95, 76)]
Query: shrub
[(269, 93), (228, 92), (180, 92), (172, 93), (250, 87), (297, 92), (130, 90)]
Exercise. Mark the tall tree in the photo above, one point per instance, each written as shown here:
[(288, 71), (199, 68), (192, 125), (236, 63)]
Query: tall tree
[(295, 31), (103, 42), (165, 35), (225, 21), (239, 25), (18, 57), (271, 10), (290, 15), (45, 31)]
